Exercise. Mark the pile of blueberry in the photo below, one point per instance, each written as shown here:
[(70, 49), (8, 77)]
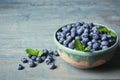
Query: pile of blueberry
[(87, 33), (47, 57)]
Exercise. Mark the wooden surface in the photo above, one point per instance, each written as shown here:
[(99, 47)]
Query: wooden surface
[(32, 23)]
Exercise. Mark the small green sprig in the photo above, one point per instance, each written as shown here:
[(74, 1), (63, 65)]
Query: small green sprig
[(79, 46), (106, 30), (34, 52)]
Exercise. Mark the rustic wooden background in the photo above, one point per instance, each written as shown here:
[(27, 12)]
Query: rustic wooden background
[(32, 23)]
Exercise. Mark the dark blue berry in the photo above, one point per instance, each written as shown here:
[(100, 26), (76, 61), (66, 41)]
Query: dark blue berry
[(52, 66), (43, 58), (20, 67), (39, 60), (55, 53), (71, 45), (104, 47), (31, 64), (33, 58), (104, 43), (96, 46), (24, 60), (45, 51)]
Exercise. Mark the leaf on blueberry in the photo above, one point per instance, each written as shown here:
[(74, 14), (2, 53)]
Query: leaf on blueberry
[(79, 46), (106, 30)]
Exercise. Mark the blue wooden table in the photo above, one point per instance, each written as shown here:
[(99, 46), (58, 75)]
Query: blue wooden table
[(32, 23)]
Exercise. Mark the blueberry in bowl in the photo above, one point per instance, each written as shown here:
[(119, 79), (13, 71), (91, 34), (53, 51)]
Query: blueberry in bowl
[(85, 45)]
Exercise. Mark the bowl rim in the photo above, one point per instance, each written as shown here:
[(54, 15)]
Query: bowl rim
[(76, 52)]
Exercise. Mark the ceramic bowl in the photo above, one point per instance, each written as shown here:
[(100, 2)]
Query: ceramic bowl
[(85, 60)]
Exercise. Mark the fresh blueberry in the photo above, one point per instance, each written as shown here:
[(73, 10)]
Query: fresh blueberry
[(95, 36), (65, 43), (58, 33), (104, 37), (55, 53), (104, 47), (85, 40), (67, 34), (78, 37), (86, 26), (20, 67), (73, 29), (73, 34), (86, 30), (90, 47), (52, 66), (96, 46), (69, 38), (71, 45), (91, 25), (39, 60), (69, 26), (84, 35), (31, 64), (45, 51), (50, 52), (77, 24), (49, 59), (94, 40), (33, 58), (43, 58), (104, 43), (89, 43), (58, 37), (61, 40), (24, 60), (79, 31)]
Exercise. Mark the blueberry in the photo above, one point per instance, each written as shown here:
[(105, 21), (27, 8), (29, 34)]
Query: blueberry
[(104, 37), (69, 26), (91, 25), (52, 66), (73, 29), (50, 52), (58, 37), (95, 36), (94, 40), (104, 47), (58, 33), (69, 38), (86, 30), (71, 45), (20, 67), (85, 40), (43, 58), (67, 34), (96, 46), (24, 60), (39, 60), (33, 58), (45, 51), (90, 47), (73, 34), (89, 43), (55, 53), (61, 40), (49, 59), (79, 31), (77, 24), (65, 43), (84, 35), (63, 34), (31, 64), (86, 26), (104, 43), (78, 37)]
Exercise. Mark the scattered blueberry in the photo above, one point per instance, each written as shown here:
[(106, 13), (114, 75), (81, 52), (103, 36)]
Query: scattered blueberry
[(33, 58), (31, 63), (24, 60), (39, 60), (20, 67), (52, 66), (55, 53)]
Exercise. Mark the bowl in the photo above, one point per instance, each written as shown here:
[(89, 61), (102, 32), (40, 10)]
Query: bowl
[(85, 60)]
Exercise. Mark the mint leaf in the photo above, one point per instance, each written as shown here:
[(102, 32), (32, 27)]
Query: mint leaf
[(106, 30), (34, 52), (79, 46), (86, 49), (40, 53)]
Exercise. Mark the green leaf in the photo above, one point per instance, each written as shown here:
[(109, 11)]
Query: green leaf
[(40, 53), (34, 52), (106, 30), (79, 46), (86, 49)]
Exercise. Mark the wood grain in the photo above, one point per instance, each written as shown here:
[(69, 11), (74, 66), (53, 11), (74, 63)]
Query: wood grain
[(32, 23)]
